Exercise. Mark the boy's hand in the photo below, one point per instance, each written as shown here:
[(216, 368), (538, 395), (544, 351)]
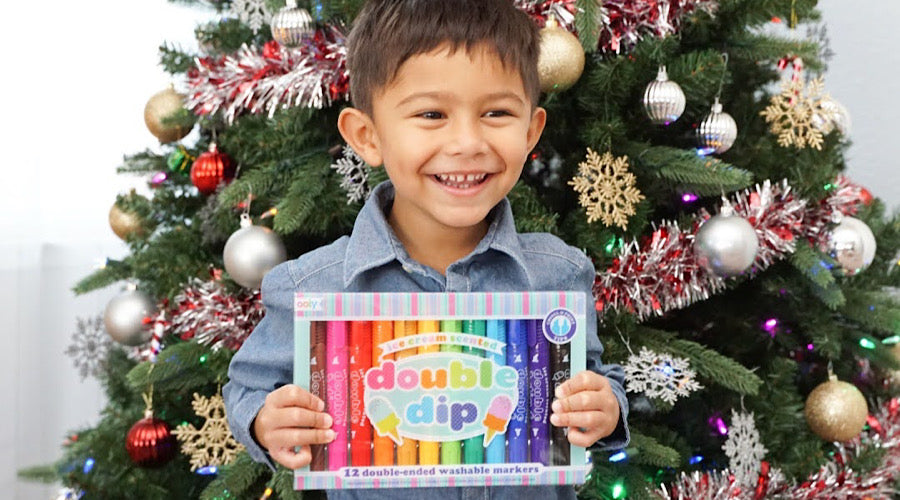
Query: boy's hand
[(586, 405), (292, 417)]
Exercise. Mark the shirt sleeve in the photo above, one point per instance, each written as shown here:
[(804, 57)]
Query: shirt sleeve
[(263, 363), (614, 373)]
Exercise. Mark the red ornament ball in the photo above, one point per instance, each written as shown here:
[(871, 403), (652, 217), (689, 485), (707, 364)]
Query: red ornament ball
[(212, 168), (150, 442)]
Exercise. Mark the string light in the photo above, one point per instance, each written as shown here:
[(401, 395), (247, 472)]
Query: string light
[(866, 343), (269, 213), (696, 459), (209, 470), (88, 465), (618, 490), (618, 457), (770, 325), (689, 197), (266, 494)]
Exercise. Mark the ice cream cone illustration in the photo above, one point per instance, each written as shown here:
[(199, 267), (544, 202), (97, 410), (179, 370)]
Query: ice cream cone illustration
[(385, 419), (497, 417)]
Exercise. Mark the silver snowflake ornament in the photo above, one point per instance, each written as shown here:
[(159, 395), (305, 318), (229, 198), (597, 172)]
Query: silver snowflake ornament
[(253, 13), (743, 448), (355, 175), (659, 376), (89, 347)]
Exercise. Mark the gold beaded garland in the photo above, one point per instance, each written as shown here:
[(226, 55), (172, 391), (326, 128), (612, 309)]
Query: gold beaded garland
[(836, 411)]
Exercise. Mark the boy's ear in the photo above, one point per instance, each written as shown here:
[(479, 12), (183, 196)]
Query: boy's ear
[(358, 129), (536, 127)]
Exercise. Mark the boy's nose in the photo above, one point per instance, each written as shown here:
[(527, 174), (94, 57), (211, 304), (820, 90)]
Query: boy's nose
[(466, 138)]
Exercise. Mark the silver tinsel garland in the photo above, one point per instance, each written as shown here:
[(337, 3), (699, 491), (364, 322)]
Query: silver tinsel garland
[(662, 273), (205, 312), (834, 480), (263, 81)]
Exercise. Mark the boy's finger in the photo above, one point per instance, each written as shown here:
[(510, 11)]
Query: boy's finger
[(581, 419), (292, 395), (583, 438), (288, 458), (294, 416), (580, 401), (583, 381), (291, 437)]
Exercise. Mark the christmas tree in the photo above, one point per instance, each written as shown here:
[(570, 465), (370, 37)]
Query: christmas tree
[(745, 284)]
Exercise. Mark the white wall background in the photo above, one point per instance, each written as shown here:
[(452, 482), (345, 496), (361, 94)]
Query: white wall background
[(76, 78)]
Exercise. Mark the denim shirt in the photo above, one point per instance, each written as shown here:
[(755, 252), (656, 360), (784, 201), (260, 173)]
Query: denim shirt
[(373, 259)]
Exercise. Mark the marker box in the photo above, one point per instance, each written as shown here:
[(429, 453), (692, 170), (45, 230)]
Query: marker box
[(440, 389)]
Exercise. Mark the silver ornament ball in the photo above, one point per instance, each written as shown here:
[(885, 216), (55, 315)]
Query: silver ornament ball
[(852, 244), (664, 100), (124, 317), (829, 114), (726, 245), (717, 131), (291, 24), (251, 252)]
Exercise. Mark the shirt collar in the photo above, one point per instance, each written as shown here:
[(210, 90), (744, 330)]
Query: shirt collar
[(373, 242)]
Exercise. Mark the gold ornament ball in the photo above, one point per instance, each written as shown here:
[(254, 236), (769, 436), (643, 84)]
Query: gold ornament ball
[(895, 350), (836, 411), (124, 224), (561, 58), (162, 105)]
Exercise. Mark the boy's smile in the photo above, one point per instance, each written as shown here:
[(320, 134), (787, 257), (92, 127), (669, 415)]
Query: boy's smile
[(453, 131)]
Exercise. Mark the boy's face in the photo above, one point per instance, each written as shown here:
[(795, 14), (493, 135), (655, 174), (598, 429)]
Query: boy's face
[(453, 132)]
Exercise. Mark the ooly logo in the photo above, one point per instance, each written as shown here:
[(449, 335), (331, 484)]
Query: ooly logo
[(559, 326), (440, 397)]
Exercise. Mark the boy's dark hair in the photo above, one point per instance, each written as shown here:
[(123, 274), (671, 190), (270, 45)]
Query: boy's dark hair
[(388, 32)]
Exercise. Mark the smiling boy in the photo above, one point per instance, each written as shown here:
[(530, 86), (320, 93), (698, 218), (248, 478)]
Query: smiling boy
[(445, 95)]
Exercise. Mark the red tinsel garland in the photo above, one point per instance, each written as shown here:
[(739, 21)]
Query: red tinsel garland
[(661, 272), (622, 23), (315, 74), (206, 313), (834, 480), (312, 75)]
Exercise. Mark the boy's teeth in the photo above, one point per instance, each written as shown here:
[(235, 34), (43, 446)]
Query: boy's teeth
[(461, 180)]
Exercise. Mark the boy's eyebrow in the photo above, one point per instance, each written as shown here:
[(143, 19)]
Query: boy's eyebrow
[(506, 94)]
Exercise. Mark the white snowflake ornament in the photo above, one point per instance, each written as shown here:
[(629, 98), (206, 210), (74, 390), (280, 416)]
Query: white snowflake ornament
[(251, 12), (355, 175), (90, 346), (743, 448), (659, 376)]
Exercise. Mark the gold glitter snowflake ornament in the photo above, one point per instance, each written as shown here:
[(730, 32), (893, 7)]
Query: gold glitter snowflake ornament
[(213, 443), (607, 189), (791, 114)]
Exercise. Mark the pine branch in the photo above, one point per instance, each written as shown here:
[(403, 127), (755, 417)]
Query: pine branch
[(174, 60), (113, 271), (652, 452), (235, 479), (704, 176), (587, 23), (708, 363), (877, 311), (530, 214), (180, 368)]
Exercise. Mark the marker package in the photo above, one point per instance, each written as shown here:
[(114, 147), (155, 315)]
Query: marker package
[(440, 389)]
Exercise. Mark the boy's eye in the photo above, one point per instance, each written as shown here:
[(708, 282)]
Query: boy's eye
[(497, 113), (431, 115)]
